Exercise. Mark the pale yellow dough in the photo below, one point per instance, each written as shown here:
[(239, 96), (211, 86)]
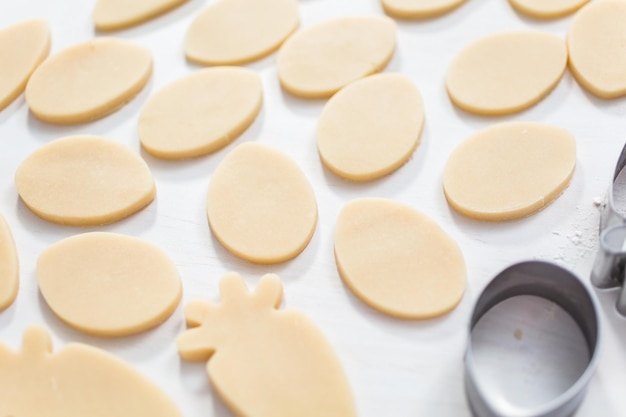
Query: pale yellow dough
[(9, 266), (78, 381), (88, 81), (397, 260), (263, 362), (200, 113), (506, 72), (509, 171), (22, 48), (596, 42), (319, 60), (547, 9), (260, 205), (84, 181), (232, 32), (419, 9), (120, 14), (107, 284), (371, 127)]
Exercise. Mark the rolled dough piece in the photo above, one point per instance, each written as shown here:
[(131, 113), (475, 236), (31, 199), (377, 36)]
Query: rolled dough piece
[(84, 181), (22, 48), (596, 42), (107, 284), (547, 9), (509, 171), (419, 9), (88, 81), (232, 32), (263, 362), (371, 127), (78, 381), (200, 113), (319, 60), (397, 260), (120, 14), (507, 72), (9, 266), (260, 205)]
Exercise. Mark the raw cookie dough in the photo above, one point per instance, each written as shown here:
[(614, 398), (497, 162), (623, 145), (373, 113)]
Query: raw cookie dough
[(397, 260), (88, 81), (263, 362), (107, 284), (22, 48), (419, 9), (547, 9), (319, 60), (200, 113), (78, 381), (509, 171), (506, 72), (260, 205), (371, 127), (231, 32), (84, 181), (596, 42), (9, 266), (120, 14)]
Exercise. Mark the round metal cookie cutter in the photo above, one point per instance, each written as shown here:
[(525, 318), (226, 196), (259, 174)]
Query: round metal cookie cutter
[(552, 283)]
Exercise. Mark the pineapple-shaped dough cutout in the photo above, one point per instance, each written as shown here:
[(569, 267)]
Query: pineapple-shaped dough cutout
[(78, 381), (264, 362)]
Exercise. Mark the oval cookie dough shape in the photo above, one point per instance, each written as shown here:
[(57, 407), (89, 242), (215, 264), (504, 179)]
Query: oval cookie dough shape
[(9, 266), (419, 9), (107, 284), (232, 32), (596, 47), (371, 127), (509, 171), (547, 9), (397, 260), (88, 81), (260, 205), (200, 113), (78, 381), (120, 14), (319, 60), (506, 72), (84, 181), (22, 48)]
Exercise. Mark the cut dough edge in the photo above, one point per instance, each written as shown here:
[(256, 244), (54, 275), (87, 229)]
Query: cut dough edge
[(105, 25), (9, 299), (538, 14), (420, 13)]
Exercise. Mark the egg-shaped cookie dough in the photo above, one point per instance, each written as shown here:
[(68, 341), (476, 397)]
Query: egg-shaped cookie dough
[(319, 60), (200, 113), (419, 9), (397, 260), (371, 127), (84, 181), (9, 266), (23, 47), (596, 41), (232, 32), (547, 9), (509, 171), (120, 14), (506, 72), (260, 205), (107, 284), (88, 81)]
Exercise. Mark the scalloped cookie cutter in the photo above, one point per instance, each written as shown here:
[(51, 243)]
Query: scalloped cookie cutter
[(552, 283)]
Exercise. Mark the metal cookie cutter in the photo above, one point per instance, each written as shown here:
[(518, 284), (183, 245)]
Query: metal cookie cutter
[(610, 264), (555, 284)]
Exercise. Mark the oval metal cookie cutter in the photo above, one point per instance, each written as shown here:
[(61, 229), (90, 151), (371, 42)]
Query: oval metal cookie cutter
[(552, 283), (609, 267)]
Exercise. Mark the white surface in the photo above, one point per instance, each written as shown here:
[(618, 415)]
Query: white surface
[(396, 368)]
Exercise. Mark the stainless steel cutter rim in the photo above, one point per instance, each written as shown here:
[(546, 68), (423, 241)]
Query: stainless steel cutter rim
[(563, 405)]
